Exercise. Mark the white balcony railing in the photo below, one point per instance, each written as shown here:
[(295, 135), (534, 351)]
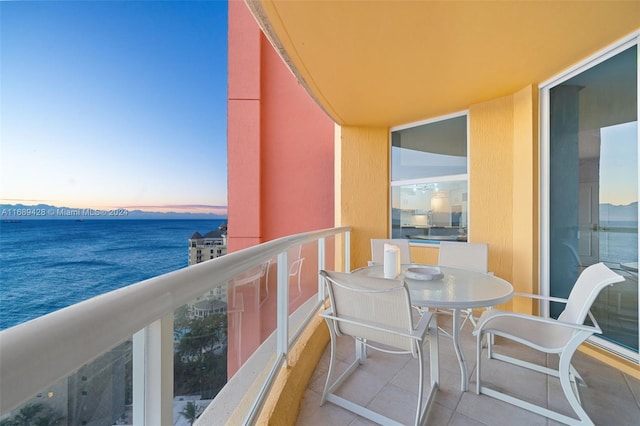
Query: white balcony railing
[(36, 355)]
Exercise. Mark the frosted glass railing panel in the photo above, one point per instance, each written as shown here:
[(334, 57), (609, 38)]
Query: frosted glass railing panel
[(251, 312), (200, 352), (302, 274), (99, 393), (331, 245)]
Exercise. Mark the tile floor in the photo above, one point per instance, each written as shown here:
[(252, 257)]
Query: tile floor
[(388, 384)]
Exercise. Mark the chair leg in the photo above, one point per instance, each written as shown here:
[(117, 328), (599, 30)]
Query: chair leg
[(568, 386), (434, 360), (422, 409), (420, 387), (330, 386), (563, 373), (478, 360), (578, 378), (327, 383)]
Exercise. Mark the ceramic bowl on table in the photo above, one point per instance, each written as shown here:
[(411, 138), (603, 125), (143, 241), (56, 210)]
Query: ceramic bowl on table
[(424, 273)]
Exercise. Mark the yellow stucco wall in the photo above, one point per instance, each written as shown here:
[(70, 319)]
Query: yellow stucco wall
[(503, 187), (525, 180), (427, 255), (490, 181), (283, 405), (362, 187)]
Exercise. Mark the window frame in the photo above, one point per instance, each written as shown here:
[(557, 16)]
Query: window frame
[(428, 180), (544, 172)]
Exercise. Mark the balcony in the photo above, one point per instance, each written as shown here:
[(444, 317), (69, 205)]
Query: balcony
[(390, 387), (128, 337)]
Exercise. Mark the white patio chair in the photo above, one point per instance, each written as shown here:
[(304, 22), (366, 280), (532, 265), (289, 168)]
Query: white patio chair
[(468, 256), (562, 336), (377, 250), (377, 313)]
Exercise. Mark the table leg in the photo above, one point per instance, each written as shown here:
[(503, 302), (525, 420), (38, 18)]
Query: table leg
[(361, 351), (464, 383)]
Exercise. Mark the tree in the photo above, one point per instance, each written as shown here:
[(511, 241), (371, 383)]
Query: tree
[(28, 414), (198, 368), (191, 412), (35, 415)]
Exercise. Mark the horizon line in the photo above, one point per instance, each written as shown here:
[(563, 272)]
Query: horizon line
[(44, 211)]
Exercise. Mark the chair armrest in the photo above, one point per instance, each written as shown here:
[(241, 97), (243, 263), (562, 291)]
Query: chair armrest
[(328, 315), (540, 297), (499, 314)]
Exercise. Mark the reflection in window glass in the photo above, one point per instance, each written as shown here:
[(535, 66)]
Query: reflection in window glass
[(593, 191), (429, 188)]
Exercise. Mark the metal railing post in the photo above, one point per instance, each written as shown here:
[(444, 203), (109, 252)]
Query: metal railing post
[(321, 265), (139, 368), (347, 251), (283, 304), (153, 373)]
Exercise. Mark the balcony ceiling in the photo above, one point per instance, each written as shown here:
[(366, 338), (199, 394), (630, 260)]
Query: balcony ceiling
[(387, 63)]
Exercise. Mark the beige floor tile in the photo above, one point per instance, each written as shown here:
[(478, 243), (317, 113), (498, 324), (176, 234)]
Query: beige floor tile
[(389, 384), (634, 385), (462, 420), (519, 382), (312, 414), (491, 411), (439, 415), (396, 403)]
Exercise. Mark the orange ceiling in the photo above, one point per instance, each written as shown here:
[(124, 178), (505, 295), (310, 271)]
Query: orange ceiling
[(387, 63)]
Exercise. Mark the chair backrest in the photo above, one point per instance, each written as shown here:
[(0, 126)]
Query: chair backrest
[(587, 287), (469, 256), (371, 308), (377, 249)]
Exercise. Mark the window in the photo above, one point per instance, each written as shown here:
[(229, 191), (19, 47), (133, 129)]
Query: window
[(590, 191), (429, 180)]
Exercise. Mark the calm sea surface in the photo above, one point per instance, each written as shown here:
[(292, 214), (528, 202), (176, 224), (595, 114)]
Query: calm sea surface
[(46, 265)]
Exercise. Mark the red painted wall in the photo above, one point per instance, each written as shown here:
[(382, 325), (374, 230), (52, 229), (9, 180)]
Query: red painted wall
[(280, 148), (243, 128), (297, 154), (280, 143)]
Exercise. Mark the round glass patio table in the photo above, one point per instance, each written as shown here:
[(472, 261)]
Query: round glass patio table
[(458, 289)]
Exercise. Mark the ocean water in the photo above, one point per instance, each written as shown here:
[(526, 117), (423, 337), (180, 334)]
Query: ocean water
[(46, 265)]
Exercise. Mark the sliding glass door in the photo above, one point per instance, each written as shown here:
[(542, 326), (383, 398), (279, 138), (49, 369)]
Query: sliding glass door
[(590, 166)]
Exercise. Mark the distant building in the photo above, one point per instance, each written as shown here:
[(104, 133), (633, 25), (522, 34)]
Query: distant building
[(213, 244), (204, 308)]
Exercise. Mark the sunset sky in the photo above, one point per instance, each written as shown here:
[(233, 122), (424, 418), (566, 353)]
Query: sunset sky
[(114, 104)]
